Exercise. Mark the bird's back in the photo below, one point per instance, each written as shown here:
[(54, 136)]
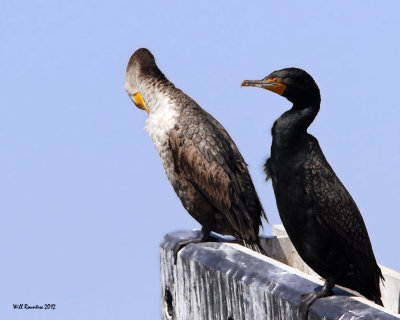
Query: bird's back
[(217, 168), (321, 217), (340, 217)]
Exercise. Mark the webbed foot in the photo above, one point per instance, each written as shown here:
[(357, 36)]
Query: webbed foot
[(309, 298), (203, 237)]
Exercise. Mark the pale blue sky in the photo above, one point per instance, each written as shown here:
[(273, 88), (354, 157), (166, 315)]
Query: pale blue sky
[(84, 200)]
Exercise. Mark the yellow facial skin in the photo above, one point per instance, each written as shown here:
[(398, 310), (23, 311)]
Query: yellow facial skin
[(276, 85), (139, 102)]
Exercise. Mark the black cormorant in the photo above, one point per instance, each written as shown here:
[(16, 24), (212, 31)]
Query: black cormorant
[(318, 213), (202, 162)]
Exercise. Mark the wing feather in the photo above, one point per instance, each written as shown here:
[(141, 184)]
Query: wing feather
[(207, 157), (338, 213)]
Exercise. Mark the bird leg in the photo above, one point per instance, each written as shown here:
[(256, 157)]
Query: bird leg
[(203, 237), (309, 298)]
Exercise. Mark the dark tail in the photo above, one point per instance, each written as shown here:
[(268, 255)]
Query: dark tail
[(377, 300)]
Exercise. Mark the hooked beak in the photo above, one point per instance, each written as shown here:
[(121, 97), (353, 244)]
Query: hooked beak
[(139, 102), (274, 85)]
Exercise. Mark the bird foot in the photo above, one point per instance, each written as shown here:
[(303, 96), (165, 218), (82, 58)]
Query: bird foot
[(183, 243), (307, 300)]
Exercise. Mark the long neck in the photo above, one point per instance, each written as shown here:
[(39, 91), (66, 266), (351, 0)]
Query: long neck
[(293, 124), (157, 93)]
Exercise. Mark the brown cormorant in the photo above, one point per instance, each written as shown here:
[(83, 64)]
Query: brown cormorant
[(318, 213), (202, 162)]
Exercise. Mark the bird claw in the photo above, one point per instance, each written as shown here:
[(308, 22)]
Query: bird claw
[(183, 243), (306, 301)]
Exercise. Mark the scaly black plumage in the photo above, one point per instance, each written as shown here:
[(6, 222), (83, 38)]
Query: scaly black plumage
[(319, 215)]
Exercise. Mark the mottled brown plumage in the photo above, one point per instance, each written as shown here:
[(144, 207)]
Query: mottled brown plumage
[(206, 157), (201, 160)]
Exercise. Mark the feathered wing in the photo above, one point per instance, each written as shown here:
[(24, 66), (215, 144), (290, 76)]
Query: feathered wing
[(339, 215), (205, 155)]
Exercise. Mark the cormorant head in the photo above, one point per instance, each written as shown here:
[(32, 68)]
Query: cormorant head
[(294, 84), (141, 65)]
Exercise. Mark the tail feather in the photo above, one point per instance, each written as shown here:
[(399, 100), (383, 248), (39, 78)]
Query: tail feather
[(377, 300)]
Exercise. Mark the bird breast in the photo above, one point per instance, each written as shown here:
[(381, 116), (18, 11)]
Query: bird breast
[(163, 117), (159, 124)]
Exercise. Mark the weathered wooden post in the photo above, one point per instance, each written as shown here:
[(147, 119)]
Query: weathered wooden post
[(217, 280)]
